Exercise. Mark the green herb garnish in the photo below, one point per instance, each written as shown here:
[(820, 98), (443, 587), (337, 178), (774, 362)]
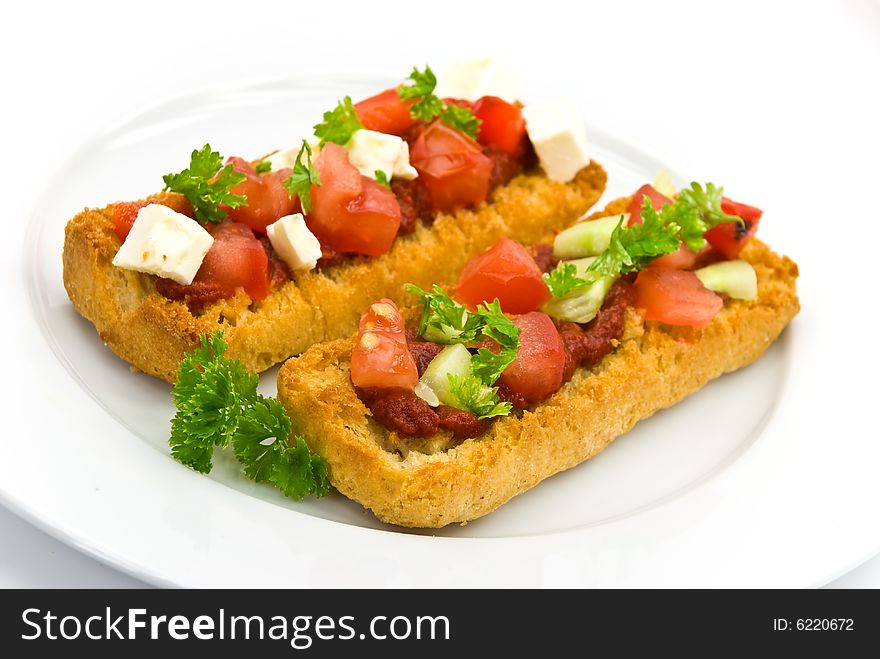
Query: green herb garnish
[(430, 105), (339, 124), (206, 184), (263, 167), (480, 399), (302, 179), (563, 279), (382, 178), (218, 404)]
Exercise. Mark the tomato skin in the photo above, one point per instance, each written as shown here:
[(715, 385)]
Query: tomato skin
[(675, 297), (502, 124), (538, 369), (729, 238), (380, 357), (635, 206), (451, 167), (267, 198), (386, 113), (351, 213), (236, 259), (506, 271)]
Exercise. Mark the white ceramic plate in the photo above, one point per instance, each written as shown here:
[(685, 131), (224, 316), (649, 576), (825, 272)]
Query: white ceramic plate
[(724, 489)]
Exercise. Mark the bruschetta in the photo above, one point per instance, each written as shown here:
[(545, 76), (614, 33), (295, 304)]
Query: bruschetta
[(539, 357), (285, 251)]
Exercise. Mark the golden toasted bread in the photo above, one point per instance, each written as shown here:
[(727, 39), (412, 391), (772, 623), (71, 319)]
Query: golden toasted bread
[(153, 333)]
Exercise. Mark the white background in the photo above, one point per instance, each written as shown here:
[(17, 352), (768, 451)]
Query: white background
[(779, 99)]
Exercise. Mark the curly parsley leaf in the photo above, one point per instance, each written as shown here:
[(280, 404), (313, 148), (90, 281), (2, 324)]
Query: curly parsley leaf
[(487, 364), (461, 118), (263, 166), (563, 279), (206, 184), (632, 248), (422, 84), (303, 177), (339, 124), (429, 105), (477, 397), (696, 210), (443, 319), (298, 472), (422, 87), (217, 403), (261, 445), (382, 178)]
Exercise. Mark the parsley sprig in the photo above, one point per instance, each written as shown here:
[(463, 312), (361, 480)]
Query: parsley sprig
[(339, 124), (695, 210), (480, 399), (429, 105), (303, 177), (218, 404), (446, 321), (564, 279), (206, 184)]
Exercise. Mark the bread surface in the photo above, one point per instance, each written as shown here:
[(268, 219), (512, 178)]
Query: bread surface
[(435, 482), (153, 333)]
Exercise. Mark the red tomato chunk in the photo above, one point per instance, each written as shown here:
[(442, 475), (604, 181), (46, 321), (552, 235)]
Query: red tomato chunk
[(380, 357), (502, 125), (537, 371), (451, 167), (351, 213), (675, 297), (729, 238), (267, 198), (386, 113), (508, 272)]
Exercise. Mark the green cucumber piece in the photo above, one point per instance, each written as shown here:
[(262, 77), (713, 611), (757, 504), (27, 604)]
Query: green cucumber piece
[(452, 360), (735, 278), (581, 305), (586, 238)]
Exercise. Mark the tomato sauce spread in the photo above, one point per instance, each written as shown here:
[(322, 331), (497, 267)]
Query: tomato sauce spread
[(402, 411)]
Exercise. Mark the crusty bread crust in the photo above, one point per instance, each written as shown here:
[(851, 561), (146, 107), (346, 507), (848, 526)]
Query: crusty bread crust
[(153, 333), (655, 367)]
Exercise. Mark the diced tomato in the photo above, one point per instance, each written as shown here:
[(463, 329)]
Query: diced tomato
[(451, 166), (681, 259), (380, 357), (537, 370), (675, 297), (506, 271), (236, 259), (635, 206), (126, 212), (386, 113), (267, 198), (351, 213), (729, 238), (502, 124)]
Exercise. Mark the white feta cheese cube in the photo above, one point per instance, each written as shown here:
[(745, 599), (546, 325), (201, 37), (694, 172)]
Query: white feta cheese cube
[(294, 243), (475, 78), (557, 132), (370, 151), (166, 243)]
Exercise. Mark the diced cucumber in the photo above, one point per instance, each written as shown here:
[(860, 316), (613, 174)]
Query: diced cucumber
[(453, 359), (587, 238), (581, 305), (735, 278)]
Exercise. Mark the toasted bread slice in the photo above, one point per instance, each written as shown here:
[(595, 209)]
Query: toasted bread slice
[(153, 333), (435, 482)]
